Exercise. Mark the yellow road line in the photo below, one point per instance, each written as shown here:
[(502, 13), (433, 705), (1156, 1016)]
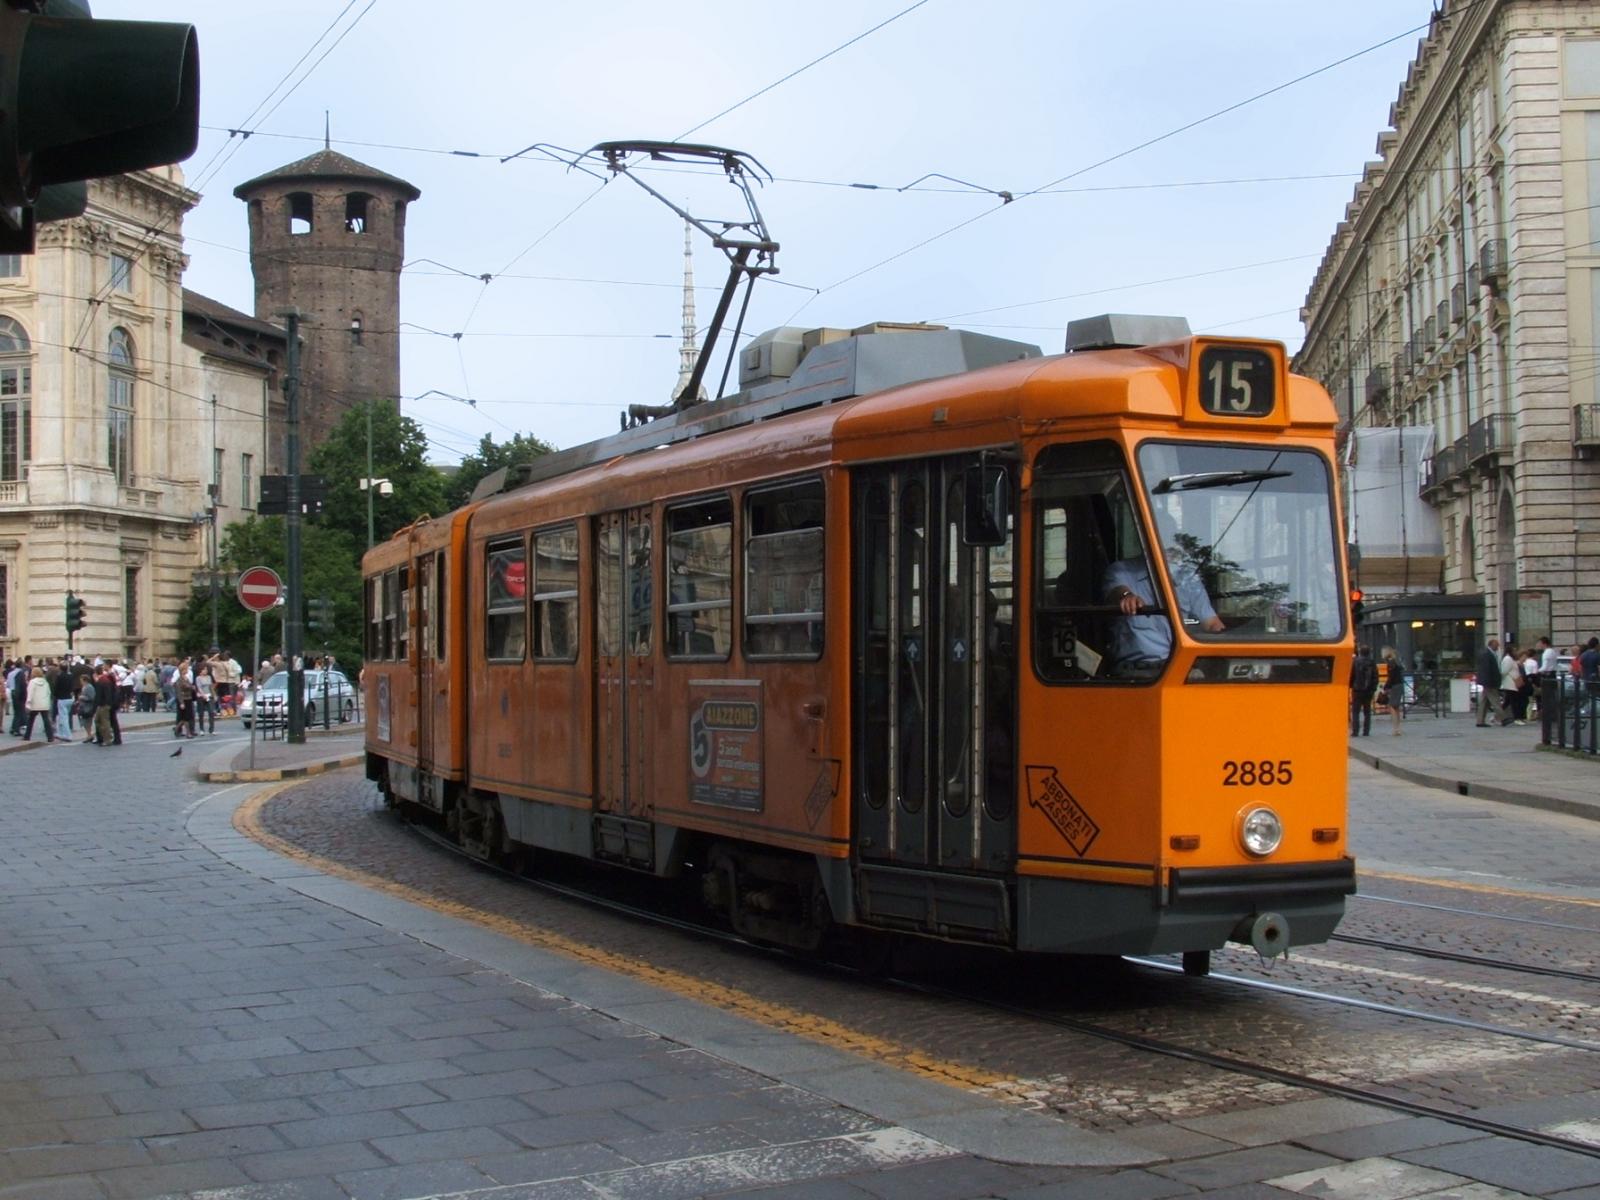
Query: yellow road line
[(1487, 889), (246, 819)]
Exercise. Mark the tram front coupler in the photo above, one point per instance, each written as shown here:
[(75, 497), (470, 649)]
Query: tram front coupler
[(1267, 932)]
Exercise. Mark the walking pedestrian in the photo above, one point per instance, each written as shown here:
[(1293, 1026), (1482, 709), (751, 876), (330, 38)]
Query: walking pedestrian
[(1511, 682), (1363, 686), (1589, 661), (88, 704), (183, 690), (17, 691), (205, 698), (149, 687), (1394, 686), (40, 702), (1489, 684), (107, 696), (63, 686)]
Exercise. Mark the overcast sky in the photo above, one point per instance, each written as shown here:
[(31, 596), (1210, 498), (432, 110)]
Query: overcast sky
[(1223, 223)]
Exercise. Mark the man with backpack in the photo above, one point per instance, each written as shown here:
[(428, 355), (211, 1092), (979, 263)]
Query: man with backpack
[(1363, 685)]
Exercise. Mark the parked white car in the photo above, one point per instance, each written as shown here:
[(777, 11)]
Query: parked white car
[(272, 698)]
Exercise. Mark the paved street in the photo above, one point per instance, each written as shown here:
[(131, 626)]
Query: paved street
[(183, 1011)]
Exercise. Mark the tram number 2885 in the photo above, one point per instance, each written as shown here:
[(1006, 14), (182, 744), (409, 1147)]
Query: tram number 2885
[(1265, 773)]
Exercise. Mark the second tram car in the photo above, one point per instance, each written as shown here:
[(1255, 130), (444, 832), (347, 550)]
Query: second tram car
[(920, 631)]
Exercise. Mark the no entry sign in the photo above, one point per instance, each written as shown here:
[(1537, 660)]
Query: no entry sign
[(259, 589)]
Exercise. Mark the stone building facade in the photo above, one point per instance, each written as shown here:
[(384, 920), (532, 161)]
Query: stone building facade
[(327, 236), (114, 430), (1460, 295), (138, 417)]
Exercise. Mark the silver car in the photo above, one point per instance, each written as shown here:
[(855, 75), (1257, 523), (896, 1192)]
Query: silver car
[(272, 699)]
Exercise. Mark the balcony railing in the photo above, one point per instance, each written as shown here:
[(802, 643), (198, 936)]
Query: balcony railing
[(1377, 385), (1450, 462), (1458, 303), (1488, 437), (1585, 425), (1492, 261), (14, 493)]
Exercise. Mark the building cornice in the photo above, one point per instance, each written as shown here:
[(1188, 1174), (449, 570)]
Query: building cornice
[(1433, 81)]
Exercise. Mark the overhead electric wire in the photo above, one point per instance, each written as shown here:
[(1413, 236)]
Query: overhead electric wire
[(219, 159), (801, 70), (1189, 125)]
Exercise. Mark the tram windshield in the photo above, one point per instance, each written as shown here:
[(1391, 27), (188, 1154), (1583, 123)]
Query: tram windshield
[(1249, 532)]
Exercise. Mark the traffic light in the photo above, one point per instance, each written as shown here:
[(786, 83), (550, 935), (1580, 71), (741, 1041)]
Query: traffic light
[(83, 99), (1355, 605), (319, 614), (76, 613)]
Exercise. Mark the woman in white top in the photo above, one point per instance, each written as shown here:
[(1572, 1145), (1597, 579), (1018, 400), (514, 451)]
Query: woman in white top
[(205, 697), (40, 703), (1511, 686)]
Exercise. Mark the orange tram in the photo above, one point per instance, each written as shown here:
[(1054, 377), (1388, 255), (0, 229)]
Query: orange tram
[(920, 631)]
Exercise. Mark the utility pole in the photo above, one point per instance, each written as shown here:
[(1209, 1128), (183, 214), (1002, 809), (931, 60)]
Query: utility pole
[(369, 486), (293, 584), (211, 511)]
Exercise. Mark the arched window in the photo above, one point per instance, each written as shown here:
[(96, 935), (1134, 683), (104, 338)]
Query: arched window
[(119, 406), (300, 212), (16, 401), (355, 212)]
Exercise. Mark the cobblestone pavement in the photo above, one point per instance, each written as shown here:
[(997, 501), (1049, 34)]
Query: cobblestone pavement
[(183, 1012)]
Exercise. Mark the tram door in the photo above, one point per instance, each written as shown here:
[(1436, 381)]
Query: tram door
[(625, 638), (935, 681)]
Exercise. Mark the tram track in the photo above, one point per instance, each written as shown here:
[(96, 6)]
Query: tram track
[(1470, 960), (1099, 1031), (1480, 915)]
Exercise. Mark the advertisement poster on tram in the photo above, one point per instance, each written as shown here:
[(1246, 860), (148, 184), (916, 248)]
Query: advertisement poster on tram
[(725, 746)]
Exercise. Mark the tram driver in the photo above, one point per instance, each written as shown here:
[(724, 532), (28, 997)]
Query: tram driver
[(1141, 642)]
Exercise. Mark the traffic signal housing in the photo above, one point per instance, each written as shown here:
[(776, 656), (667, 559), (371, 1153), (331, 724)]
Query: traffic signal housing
[(1356, 605), (319, 614), (77, 613), (83, 99)]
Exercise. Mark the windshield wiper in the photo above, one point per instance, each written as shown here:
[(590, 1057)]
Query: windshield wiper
[(1212, 479)]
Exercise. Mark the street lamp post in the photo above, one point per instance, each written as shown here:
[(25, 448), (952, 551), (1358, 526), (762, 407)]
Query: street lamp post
[(383, 488)]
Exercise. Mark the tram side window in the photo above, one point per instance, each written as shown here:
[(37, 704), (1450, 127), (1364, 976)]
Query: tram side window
[(506, 625), (437, 608), (402, 636), (641, 584), (425, 581), (783, 593), (391, 610), (375, 617), (555, 594), (700, 579)]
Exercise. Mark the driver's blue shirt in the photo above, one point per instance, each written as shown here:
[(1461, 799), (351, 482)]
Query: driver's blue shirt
[(1148, 637)]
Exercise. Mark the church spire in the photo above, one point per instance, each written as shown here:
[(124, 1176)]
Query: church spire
[(687, 351)]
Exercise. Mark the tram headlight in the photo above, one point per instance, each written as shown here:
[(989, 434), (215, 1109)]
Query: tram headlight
[(1260, 831)]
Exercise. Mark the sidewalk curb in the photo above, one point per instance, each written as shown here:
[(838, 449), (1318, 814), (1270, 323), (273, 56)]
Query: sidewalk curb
[(1478, 790), (271, 774)]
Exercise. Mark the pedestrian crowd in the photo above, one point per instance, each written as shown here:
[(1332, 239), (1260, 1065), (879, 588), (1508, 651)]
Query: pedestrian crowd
[(1507, 678), (72, 694)]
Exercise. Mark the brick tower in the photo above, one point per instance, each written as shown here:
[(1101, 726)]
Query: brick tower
[(327, 236)]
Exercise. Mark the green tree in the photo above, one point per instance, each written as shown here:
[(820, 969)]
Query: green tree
[(330, 566), (399, 454), (491, 456)]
